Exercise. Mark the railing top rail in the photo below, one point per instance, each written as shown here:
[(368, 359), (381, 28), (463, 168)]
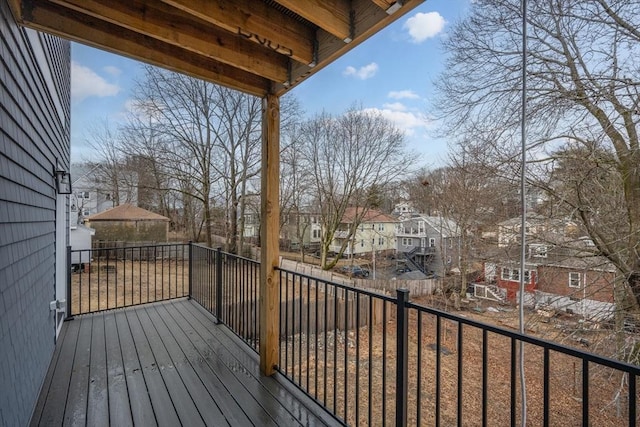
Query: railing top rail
[(342, 286), (226, 253), (601, 360), (114, 248)]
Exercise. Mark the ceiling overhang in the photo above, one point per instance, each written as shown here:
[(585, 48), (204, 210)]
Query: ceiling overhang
[(255, 46)]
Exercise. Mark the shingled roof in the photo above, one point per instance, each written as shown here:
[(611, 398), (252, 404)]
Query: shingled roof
[(126, 213)]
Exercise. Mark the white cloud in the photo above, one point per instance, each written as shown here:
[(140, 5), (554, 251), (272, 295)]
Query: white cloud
[(114, 71), (395, 106), (362, 73), (86, 83), (423, 26), (407, 121), (403, 94)]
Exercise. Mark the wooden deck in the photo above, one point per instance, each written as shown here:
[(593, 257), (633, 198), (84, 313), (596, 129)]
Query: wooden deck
[(164, 364)]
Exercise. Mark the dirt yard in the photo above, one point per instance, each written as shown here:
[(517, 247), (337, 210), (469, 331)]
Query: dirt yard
[(121, 283), (346, 389)]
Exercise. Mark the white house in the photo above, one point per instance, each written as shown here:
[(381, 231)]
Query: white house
[(375, 232)]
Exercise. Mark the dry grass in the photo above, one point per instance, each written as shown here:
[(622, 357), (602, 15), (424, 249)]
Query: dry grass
[(122, 283)]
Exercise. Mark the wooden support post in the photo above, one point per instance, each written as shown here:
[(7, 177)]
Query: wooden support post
[(269, 234)]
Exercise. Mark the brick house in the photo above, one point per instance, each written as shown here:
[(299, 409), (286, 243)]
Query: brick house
[(566, 278)]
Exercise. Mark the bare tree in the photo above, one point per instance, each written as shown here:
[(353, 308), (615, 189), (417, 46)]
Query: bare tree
[(111, 170), (184, 112), (583, 85), (346, 155)]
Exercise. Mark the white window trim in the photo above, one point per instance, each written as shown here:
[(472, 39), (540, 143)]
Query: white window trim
[(579, 279)]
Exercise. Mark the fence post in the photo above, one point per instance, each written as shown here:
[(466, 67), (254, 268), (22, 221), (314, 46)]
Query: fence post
[(190, 269), (68, 308), (402, 354), (219, 285)]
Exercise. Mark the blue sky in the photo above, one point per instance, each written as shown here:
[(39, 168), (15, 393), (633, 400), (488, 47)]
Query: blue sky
[(392, 72)]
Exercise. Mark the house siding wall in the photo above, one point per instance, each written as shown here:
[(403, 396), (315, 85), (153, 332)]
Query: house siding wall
[(34, 135), (599, 284)]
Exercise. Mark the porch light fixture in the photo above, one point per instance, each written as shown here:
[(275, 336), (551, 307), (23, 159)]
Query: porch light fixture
[(63, 181)]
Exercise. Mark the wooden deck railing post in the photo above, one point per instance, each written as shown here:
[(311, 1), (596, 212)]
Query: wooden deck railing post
[(402, 357), (269, 234)]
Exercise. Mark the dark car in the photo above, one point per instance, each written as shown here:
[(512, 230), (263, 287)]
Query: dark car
[(402, 269), (354, 271)]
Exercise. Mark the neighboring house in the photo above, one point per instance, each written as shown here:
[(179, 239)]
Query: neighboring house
[(35, 113), (304, 224), (536, 226), (375, 232), (566, 278), (126, 223), (403, 209), (430, 243), (91, 197)]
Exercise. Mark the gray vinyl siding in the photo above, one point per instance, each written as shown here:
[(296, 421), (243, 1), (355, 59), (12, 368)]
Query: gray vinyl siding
[(34, 135)]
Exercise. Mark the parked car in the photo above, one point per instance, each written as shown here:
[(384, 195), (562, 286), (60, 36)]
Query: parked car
[(354, 271), (402, 269)]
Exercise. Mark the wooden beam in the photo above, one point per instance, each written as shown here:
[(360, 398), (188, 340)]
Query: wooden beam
[(270, 235), (173, 26), (45, 16), (384, 4), (333, 16), (258, 22), (369, 19)]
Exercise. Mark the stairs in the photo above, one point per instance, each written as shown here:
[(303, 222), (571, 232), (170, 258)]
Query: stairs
[(414, 265), (490, 292)]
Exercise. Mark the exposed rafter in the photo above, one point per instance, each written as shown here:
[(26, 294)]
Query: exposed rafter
[(256, 46)]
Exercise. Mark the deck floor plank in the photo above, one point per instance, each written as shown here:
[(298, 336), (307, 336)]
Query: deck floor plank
[(243, 407), (141, 407), (272, 396), (76, 410), (182, 400), (53, 411), (98, 393), (167, 364), (119, 407), (206, 405), (163, 408), (48, 379)]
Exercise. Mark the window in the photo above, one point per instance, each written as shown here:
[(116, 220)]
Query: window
[(407, 241), (574, 280), (316, 234), (432, 242), (380, 241), (362, 243), (84, 195), (373, 242), (513, 274), (85, 212), (380, 227), (538, 251)]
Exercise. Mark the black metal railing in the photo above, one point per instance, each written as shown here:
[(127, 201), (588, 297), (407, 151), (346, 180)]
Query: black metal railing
[(376, 359), (108, 278), (227, 286), (370, 358)]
